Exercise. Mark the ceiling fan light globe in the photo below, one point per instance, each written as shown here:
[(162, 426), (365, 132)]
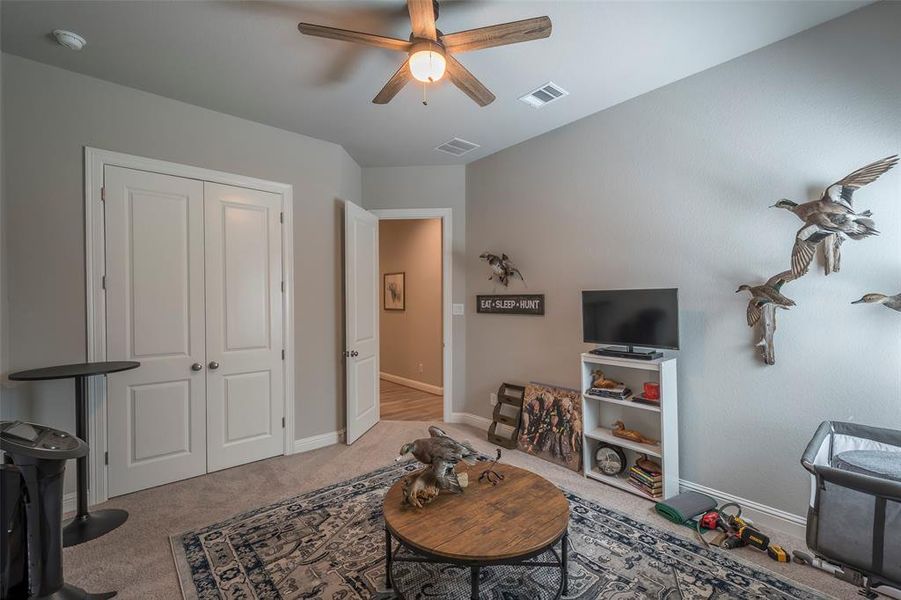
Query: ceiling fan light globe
[(427, 65)]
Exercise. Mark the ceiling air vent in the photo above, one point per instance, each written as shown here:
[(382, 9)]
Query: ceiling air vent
[(546, 94), (457, 147)]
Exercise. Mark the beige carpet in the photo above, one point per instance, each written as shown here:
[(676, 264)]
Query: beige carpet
[(136, 558)]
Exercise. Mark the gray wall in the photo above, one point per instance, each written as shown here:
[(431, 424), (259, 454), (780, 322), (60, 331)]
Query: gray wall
[(50, 115), (672, 189), (431, 187)]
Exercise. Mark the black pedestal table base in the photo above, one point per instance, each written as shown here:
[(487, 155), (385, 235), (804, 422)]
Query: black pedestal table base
[(92, 525)]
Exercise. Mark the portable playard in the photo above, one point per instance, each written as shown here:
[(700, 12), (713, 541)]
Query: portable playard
[(854, 519)]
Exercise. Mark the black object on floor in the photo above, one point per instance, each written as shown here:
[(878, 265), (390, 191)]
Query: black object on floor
[(32, 512), (86, 525)]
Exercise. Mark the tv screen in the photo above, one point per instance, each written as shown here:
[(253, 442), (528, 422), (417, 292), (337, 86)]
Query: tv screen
[(647, 318)]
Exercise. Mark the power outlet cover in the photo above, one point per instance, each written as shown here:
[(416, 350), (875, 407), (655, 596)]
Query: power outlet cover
[(493, 398)]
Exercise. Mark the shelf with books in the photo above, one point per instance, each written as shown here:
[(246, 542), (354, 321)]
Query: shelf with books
[(655, 422)]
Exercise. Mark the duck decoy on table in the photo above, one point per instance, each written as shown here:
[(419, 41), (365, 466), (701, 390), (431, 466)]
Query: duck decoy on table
[(765, 299), (502, 269), (831, 219), (440, 453), (892, 302)]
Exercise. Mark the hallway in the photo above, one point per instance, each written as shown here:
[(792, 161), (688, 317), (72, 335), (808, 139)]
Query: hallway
[(401, 403)]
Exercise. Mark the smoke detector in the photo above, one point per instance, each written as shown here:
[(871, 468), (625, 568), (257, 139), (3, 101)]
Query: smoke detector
[(69, 39)]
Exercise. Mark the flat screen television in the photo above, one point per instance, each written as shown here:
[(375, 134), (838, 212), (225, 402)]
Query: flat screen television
[(645, 318)]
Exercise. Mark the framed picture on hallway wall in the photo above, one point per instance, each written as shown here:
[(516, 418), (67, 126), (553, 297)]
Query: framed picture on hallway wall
[(394, 297)]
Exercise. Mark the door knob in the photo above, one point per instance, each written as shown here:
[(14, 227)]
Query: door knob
[(354, 353), (213, 365), (196, 367)]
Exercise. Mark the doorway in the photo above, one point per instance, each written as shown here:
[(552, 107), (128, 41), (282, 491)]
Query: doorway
[(410, 320), (364, 289)]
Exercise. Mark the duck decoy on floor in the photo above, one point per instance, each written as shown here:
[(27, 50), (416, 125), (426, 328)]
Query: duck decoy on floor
[(892, 302), (765, 299), (832, 219), (441, 453)]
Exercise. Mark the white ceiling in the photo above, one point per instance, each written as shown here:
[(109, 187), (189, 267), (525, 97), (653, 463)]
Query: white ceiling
[(248, 59)]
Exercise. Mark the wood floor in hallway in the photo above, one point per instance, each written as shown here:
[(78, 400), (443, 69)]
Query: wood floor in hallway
[(401, 403)]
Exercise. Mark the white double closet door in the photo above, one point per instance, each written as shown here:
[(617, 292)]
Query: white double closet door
[(194, 293)]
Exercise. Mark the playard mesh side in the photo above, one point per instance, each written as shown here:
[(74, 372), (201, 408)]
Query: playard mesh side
[(854, 518)]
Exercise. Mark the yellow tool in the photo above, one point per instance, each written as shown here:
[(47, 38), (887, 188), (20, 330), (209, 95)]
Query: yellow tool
[(777, 553)]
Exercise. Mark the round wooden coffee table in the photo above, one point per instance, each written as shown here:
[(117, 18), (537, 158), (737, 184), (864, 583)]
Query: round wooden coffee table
[(511, 523)]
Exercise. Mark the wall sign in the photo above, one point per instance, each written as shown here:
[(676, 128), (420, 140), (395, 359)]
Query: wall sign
[(509, 304)]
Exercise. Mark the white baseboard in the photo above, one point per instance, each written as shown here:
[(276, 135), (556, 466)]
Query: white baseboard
[(412, 383), (471, 419), (767, 517), (318, 441)]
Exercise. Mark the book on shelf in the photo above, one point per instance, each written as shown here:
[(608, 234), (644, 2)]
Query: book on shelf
[(647, 401), (619, 392), (644, 476), (653, 493), (645, 482)]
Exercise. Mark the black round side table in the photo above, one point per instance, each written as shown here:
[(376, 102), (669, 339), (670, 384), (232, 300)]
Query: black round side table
[(86, 525)]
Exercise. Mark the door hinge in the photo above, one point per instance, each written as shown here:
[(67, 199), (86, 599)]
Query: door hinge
[(283, 354), (281, 217), (106, 458), (103, 194), (283, 422), (103, 281), (283, 287)]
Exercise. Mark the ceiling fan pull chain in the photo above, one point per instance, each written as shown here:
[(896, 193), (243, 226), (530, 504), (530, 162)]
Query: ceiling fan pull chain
[(425, 100)]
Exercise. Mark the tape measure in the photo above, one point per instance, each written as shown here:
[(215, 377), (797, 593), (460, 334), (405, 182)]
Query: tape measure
[(777, 553)]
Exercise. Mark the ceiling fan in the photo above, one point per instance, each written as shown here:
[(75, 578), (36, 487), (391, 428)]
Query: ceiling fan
[(430, 52)]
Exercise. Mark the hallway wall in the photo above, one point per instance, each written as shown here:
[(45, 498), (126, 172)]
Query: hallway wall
[(411, 340)]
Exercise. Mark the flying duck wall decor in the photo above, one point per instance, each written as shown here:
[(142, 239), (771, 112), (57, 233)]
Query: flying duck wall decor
[(765, 299), (831, 219), (502, 270), (892, 302)]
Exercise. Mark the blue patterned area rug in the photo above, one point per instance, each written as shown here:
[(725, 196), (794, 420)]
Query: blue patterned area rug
[(329, 544)]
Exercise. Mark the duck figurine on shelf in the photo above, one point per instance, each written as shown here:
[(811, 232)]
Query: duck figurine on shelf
[(620, 431), (601, 382), (440, 453)]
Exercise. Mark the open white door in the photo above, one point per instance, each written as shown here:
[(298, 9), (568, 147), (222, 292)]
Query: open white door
[(361, 332)]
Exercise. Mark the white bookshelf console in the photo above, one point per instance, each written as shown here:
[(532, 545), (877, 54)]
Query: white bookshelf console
[(656, 422)]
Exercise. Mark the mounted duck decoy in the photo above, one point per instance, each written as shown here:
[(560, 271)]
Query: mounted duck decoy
[(441, 453), (767, 293), (765, 299), (831, 219), (502, 269), (892, 302)]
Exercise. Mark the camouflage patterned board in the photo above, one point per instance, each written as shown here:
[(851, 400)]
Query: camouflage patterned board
[(551, 424)]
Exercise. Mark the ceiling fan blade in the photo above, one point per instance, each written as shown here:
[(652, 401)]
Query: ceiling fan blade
[(394, 85), (346, 35), (498, 35), (467, 82), (422, 17)]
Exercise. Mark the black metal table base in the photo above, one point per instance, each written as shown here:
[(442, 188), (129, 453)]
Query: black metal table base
[(92, 525), (87, 525), (391, 557)]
